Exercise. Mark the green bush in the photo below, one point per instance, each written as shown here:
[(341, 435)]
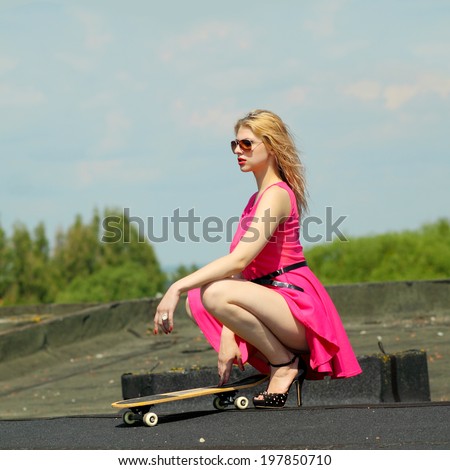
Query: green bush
[(397, 256), (129, 281)]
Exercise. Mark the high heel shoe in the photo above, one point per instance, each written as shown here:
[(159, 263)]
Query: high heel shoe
[(278, 400)]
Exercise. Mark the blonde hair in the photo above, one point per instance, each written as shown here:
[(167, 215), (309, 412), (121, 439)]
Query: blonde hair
[(277, 137)]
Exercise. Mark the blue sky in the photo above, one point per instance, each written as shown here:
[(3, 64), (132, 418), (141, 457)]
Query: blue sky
[(132, 105)]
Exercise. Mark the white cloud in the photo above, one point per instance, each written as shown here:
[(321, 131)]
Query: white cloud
[(394, 96), (98, 100), (323, 25), (130, 81), (115, 136), (364, 90), (211, 118), (339, 50), (435, 50), (78, 63), (7, 64), (204, 34), (294, 96), (397, 95), (113, 171), (212, 35), (217, 119), (12, 95), (96, 37), (435, 83)]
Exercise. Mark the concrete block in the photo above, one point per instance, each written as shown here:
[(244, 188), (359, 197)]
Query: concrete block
[(361, 389), (406, 375), (385, 378), (141, 385)]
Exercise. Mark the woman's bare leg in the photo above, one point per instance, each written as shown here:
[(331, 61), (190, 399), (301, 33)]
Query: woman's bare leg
[(262, 317), (189, 311)]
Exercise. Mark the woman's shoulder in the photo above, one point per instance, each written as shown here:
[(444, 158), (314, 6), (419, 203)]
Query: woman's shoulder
[(278, 190), (282, 192), (276, 195)]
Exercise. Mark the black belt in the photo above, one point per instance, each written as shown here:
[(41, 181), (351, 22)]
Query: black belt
[(267, 280)]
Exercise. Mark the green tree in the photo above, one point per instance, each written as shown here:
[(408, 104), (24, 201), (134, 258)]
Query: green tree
[(41, 286), (20, 254), (6, 265), (102, 268), (27, 270), (181, 272), (77, 251)]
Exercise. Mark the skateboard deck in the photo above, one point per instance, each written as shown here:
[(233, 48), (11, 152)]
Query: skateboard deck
[(138, 409)]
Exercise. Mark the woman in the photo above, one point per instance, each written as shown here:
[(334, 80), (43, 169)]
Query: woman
[(261, 303)]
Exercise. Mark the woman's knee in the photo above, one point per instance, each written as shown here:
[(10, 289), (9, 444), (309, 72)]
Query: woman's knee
[(212, 295)]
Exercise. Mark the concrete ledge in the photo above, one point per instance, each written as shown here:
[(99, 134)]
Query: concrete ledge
[(72, 327), (401, 377), (409, 299), (362, 303), (44, 309)]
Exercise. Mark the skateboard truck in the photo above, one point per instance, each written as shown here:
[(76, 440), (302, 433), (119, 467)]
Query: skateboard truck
[(222, 400), (143, 415)]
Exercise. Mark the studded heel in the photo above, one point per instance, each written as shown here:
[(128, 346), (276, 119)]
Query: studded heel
[(278, 400)]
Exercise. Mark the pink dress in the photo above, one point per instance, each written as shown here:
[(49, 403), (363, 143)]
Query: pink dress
[(330, 350)]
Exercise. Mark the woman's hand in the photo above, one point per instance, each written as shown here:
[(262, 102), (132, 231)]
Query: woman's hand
[(164, 311), (228, 352)]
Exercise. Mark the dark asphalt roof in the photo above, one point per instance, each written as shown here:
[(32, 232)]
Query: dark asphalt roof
[(384, 426)]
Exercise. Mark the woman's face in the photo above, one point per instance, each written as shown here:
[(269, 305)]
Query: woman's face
[(254, 158)]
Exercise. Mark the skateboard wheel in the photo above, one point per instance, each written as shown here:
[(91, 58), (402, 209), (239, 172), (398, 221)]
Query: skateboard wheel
[(128, 418), (241, 403), (150, 419), (219, 404)]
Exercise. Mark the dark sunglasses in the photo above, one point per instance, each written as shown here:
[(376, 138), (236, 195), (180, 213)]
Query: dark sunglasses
[(245, 144)]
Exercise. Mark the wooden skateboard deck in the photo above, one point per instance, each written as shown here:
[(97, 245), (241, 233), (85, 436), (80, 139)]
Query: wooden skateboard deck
[(138, 408)]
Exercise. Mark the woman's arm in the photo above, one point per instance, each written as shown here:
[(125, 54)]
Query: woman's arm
[(273, 208), (228, 352)]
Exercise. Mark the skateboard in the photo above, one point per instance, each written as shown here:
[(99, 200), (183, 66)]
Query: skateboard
[(138, 409)]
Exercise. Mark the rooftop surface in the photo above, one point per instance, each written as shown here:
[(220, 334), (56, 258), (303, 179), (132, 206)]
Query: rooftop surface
[(60, 398)]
